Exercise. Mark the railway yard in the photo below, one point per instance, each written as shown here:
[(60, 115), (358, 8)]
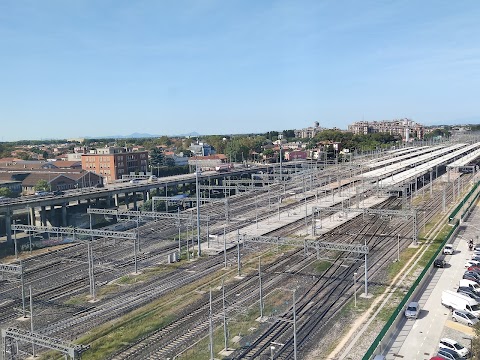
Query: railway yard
[(280, 276)]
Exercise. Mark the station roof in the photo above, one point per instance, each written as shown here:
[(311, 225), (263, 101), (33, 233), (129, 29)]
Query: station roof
[(400, 165), (411, 153), (405, 150), (465, 160), (422, 168)]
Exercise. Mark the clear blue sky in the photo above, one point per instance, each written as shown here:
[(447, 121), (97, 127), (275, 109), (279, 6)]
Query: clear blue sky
[(113, 67)]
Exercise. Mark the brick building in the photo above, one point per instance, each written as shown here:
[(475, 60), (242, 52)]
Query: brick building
[(113, 162)]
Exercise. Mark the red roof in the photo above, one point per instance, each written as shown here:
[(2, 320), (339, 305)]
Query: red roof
[(210, 157)]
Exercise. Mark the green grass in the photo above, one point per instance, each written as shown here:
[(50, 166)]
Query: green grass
[(109, 338), (321, 266), (242, 324)]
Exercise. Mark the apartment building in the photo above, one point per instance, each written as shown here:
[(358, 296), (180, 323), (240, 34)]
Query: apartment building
[(113, 162), (309, 132), (405, 128)]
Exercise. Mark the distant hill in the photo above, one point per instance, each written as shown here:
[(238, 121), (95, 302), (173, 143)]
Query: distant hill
[(140, 135)]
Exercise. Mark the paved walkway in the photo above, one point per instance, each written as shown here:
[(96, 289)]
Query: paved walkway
[(418, 339)]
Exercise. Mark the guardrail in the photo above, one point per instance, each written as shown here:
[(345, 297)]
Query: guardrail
[(386, 333)]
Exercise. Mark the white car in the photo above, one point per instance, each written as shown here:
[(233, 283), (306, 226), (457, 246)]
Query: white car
[(464, 317), (448, 249), (469, 263), (461, 350)]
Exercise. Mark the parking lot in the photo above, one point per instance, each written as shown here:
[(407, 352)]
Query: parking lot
[(418, 339)]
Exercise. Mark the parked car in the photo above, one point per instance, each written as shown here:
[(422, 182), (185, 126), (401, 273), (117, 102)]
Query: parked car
[(99, 185), (464, 317), (134, 181), (474, 269), (470, 284), (475, 258), (471, 278), (469, 292), (469, 263), (476, 247), (42, 193), (472, 273), (440, 263), (449, 354), (413, 310), (451, 344), (448, 249), (58, 192)]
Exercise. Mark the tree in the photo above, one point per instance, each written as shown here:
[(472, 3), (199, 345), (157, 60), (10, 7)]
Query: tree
[(437, 133), (187, 153), (156, 157), (6, 192), (24, 155), (165, 140), (169, 161), (45, 155), (41, 185), (288, 134), (237, 150)]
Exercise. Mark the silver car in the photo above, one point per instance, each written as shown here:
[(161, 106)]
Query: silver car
[(413, 310), (464, 317)]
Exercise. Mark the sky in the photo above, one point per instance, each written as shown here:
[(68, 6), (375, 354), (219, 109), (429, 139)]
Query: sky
[(167, 67)]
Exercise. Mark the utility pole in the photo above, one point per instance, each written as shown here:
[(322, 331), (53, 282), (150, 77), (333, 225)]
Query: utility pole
[(398, 247), (31, 318), (198, 208), (225, 246), (294, 328), (210, 325), (22, 279), (239, 266), (280, 138), (179, 240), (260, 286), (225, 330)]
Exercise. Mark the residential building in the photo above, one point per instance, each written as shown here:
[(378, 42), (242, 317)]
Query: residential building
[(405, 128), (113, 162), (308, 132), (207, 162), (179, 159), (201, 149), (295, 155)]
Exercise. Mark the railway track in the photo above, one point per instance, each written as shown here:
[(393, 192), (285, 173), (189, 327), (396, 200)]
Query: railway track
[(97, 316)]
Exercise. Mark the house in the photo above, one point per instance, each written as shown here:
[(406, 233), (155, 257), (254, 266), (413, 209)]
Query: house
[(201, 149), (207, 162), (295, 155)]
